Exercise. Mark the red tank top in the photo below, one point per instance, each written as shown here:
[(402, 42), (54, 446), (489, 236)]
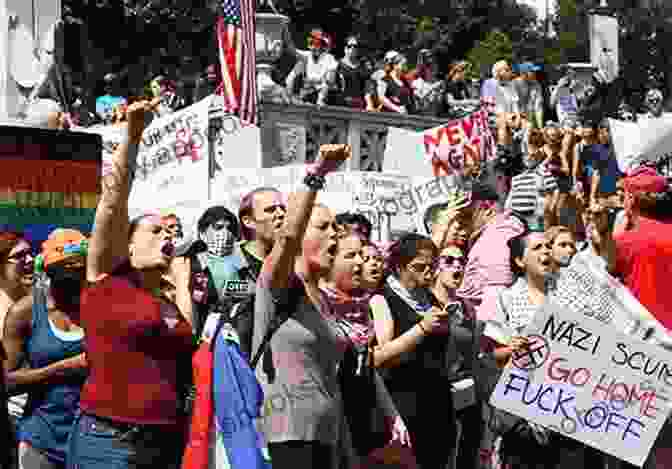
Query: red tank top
[(132, 355)]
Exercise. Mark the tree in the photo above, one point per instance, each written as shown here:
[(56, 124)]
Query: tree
[(496, 46)]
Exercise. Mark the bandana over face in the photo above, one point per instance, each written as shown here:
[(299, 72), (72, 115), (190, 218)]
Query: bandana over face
[(219, 239)]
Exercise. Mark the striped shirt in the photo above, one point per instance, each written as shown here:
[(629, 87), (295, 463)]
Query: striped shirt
[(528, 188)]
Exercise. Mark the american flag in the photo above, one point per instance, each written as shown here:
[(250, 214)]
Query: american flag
[(235, 35)]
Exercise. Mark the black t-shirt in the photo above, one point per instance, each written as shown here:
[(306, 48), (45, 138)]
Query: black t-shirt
[(458, 89), (353, 80)]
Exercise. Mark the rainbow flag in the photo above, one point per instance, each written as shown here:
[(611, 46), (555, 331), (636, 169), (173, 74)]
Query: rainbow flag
[(48, 179)]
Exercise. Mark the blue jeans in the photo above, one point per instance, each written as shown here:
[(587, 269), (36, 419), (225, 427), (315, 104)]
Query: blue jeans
[(101, 444)]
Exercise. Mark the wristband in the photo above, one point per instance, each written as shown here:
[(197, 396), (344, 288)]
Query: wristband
[(314, 181)]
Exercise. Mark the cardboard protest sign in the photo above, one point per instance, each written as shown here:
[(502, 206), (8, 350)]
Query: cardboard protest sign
[(373, 190), (173, 160), (585, 380), (648, 140), (628, 316), (235, 145), (462, 146)]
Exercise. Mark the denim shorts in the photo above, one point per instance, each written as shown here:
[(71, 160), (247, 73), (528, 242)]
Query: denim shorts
[(101, 444)]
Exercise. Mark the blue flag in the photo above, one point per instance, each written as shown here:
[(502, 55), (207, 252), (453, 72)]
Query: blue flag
[(238, 399)]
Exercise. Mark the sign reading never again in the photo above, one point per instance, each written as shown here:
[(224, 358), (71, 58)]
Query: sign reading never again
[(586, 380)]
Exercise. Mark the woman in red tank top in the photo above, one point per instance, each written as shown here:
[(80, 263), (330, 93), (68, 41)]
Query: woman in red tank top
[(130, 404)]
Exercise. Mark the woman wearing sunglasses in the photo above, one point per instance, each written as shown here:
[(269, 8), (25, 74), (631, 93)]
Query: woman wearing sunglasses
[(16, 271), (462, 348), (16, 278), (411, 332), (45, 352)]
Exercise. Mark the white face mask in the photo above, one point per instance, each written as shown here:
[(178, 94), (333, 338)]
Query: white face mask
[(219, 241)]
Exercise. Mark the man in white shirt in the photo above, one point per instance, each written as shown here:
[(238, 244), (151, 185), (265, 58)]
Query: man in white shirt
[(313, 67)]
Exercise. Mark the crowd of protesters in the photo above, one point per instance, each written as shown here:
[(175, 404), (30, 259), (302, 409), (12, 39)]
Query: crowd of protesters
[(104, 333)]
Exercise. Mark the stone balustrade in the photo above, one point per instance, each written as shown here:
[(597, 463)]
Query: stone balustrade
[(292, 134)]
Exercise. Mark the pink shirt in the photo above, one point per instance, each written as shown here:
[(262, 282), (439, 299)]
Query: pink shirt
[(488, 268)]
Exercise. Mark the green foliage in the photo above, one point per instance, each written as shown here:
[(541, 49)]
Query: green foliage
[(496, 46), (154, 33)]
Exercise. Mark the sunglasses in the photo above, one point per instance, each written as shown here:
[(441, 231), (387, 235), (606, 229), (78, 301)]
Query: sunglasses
[(351, 46), (448, 262)]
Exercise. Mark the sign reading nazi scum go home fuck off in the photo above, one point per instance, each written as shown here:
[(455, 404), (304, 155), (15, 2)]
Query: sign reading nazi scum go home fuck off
[(586, 380)]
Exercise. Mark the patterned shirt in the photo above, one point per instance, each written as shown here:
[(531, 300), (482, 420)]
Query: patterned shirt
[(573, 288)]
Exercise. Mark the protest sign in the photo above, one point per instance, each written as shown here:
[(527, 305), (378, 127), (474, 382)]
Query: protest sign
[(604, 33), (234, 183), (648, 140), (628, 315), (235, 145), (372, 191), (405, 153), (462, 146), (417, 195), (407, 200), (173, 160), (583, 379)]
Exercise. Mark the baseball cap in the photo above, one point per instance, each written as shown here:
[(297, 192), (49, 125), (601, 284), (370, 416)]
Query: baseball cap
[(61, 244), (393, 57), (526, 67)]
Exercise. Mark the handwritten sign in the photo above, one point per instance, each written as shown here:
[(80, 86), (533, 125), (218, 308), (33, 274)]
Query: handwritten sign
[(460, 147), (648, 140), (173, 159), (582, 378)]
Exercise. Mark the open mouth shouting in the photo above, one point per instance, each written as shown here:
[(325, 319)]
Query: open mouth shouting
[(168, 248)]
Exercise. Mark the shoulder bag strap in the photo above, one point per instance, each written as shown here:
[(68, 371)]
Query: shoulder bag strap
[(279, 319)]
